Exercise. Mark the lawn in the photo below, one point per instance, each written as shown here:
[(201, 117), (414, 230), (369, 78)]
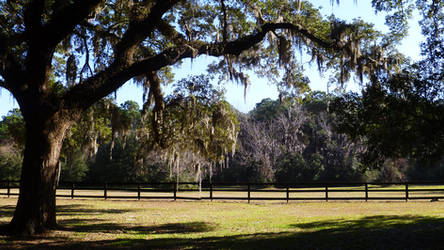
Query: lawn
[(95, 224)]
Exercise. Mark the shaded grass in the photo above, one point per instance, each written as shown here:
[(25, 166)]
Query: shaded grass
[(96, 224)]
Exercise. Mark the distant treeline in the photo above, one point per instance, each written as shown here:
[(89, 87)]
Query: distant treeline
[(200, 137)]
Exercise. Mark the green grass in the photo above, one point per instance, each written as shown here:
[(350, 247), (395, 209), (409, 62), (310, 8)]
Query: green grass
[(96, 224)]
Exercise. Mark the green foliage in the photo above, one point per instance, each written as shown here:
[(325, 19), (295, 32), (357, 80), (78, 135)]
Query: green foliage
[(195, 128), (123, 166), (76, 169), (266, 110), (83, 140), (12, 128), (293, 168), (399, 115), (111, 143), (12, 143), (395, 122), (419, 171), (196, 119), (293, 141), (10, 166)]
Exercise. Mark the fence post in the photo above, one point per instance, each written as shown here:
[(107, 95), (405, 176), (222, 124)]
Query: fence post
[(9, 189), (175, 190), (406, 191), (326, 193), (288, 193), (138, 192), (248, 192), (105, 191), (366, 191), (211, 191), (72, 190)]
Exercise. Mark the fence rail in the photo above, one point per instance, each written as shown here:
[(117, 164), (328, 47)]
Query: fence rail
[(245, 191)]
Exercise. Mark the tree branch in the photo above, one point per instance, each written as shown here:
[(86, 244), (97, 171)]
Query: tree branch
[(64, 21), (224, 23), (42, 40), (109, 80), (98, 29), (3, 84), (10, 67), (171, 56), (171, 33), (138, 30), (33, 18)]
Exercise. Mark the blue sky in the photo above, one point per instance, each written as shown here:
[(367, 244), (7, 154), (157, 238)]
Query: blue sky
[(259, 88)]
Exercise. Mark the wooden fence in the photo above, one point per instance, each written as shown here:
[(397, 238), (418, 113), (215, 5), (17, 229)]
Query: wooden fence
[(245, 191)]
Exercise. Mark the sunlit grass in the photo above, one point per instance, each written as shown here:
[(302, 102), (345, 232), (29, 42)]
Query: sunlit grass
[(197, 224)]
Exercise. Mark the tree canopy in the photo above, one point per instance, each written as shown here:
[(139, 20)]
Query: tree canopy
[(106, 43), (400, 114)]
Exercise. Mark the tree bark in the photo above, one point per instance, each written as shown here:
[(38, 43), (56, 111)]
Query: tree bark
[(36, 206)]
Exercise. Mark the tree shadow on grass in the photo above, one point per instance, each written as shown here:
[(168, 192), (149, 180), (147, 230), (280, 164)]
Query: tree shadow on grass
[(170, 228), (81, 225), (67, 210), (77, 209), (378, 222), (56, 236), (6, 211), (39, 241), (373, 232), (380, 232), (61, 239)]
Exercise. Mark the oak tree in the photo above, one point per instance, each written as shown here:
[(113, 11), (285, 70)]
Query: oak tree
[(59, 57)]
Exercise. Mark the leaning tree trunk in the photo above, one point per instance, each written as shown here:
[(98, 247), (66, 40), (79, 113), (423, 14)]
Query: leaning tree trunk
[(36, 207)]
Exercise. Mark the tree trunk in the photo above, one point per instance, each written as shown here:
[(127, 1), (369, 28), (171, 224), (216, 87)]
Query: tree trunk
[(36, 207)]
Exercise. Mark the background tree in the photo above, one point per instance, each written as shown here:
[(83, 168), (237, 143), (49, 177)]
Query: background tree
[(297, 143), (12, 129), (196, 124), (83, 140), (195, 129), (12, 139), (399, 115)]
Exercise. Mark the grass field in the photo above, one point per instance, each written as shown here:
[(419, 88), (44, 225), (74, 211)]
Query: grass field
[(95, 224)]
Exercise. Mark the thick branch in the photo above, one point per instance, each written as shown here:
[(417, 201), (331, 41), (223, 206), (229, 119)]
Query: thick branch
[(12, 38), (225, 24), (171, 56), (33, 18), (42, 41), (171, 33), (10, 68), (248, 41), (140, 29), (64, 21)]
